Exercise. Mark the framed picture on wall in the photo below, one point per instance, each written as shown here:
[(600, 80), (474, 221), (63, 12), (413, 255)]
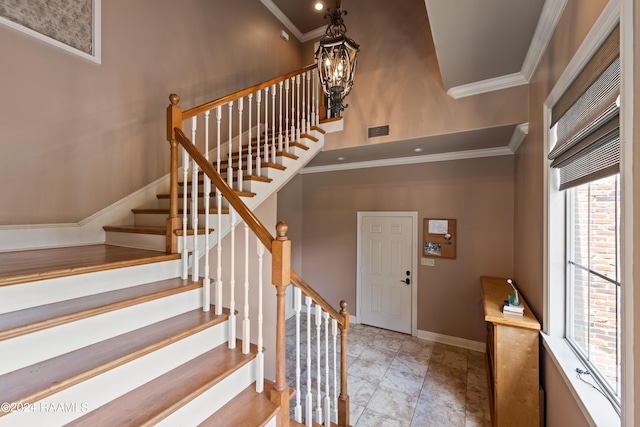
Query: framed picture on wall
[(439, 238), (70, 25)]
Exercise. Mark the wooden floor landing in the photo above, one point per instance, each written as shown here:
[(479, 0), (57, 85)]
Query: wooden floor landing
[(39, 264)]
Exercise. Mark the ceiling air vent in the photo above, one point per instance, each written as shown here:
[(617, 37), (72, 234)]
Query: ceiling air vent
[(376, 131)]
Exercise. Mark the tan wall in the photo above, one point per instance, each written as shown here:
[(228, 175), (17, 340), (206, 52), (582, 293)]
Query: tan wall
[(77, 136), (398, 80), (478, 193), (578, 18)]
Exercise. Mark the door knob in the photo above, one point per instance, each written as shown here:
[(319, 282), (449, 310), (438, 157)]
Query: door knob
[(407, 281)]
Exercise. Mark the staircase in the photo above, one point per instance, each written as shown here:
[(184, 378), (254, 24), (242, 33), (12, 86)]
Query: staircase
[(138, 331)]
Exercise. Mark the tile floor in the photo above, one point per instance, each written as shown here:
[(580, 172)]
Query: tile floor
[(396, 380)]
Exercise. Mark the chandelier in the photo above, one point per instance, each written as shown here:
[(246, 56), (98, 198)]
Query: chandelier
[(336, 57)]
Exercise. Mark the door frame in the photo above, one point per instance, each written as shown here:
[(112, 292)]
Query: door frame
[(414, 262)]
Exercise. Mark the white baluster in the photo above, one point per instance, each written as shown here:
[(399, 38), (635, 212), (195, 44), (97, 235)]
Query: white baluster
[(314, 121), (308, 403), (266, 125), (298, 108), (206, 298), (303, 112), (286, 115), (229, 160), (246, 323), (185, 250), (327, 399), (318, 319), (249, 156), (260, 355), (293, 110), (334, 334), (318, 97), (240, 171), (280, 140), (297, 301), (195, 268), (309, 102), (218, 217), (273, 124), (232, 281), (258, 159)]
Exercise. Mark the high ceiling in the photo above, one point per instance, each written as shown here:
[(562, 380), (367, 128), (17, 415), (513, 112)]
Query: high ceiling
[(481, 45)]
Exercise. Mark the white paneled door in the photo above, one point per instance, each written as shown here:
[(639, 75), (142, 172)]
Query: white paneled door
[(386, 276)]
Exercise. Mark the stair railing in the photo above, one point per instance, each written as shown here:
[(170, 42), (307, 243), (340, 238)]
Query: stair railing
[(329, 407), (285, 110)]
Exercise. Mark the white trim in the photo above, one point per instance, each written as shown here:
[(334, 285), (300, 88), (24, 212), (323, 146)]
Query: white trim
[(549, 18), (454, 341), (282, 18), (628, 87), (519, 134), (314, 34), (598, 33), (488, 85), (414, 261), (96, 40), (428, 158), (599, 412)]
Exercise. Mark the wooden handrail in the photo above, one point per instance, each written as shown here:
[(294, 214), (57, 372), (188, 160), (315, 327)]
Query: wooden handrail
[(251, 220), (192, 112)]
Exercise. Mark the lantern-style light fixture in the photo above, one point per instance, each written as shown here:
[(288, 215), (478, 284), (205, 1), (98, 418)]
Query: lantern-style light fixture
[(336, 57)]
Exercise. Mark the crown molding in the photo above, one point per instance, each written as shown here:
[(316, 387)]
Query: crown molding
[(549, 18), (519, 134), (282, 18), (428, 158), (488, 85), (314, 34)]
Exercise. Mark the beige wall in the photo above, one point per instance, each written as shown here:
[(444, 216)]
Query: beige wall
[(478, 193), (398, 80), (578, 18), (77, 136)]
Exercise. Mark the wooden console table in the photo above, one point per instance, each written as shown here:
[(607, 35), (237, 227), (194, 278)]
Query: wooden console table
[(512, 359)]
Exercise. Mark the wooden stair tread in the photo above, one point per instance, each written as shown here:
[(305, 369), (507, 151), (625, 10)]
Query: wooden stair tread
[(164, 211), (311, 137), (299, 145), (33, 319), (50, 376), (155, 400), (150, 229), (40, 264), (200, 194), (319, 129), (288, 155), (248, 408)]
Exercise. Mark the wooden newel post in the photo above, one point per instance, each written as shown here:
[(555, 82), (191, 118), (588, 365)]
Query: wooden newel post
[(343, 400), (174, 120), (281, 277)]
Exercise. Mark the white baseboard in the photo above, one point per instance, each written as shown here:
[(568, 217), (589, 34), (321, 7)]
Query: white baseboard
[(454, 341)]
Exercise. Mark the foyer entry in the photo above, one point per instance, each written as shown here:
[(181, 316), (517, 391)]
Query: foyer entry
[(387, 270)]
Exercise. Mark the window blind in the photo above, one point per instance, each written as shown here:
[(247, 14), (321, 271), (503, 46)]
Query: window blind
[(587, 132)]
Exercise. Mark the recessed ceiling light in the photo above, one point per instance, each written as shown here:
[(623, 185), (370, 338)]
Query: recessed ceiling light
[(318, 6), (418, 150), (341, 158)]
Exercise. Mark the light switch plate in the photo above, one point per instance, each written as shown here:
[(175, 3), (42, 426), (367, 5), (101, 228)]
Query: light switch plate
[(428, 261)]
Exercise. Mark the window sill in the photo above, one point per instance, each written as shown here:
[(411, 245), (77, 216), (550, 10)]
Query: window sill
[(596, 408)]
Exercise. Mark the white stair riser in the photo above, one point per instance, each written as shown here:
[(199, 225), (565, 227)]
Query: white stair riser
[(151, 242), (91, 394), (32, 294), (213, 399), (29, 349)]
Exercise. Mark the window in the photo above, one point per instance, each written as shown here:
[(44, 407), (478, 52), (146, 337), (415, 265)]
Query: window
[(593, 278), (585, 165)]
